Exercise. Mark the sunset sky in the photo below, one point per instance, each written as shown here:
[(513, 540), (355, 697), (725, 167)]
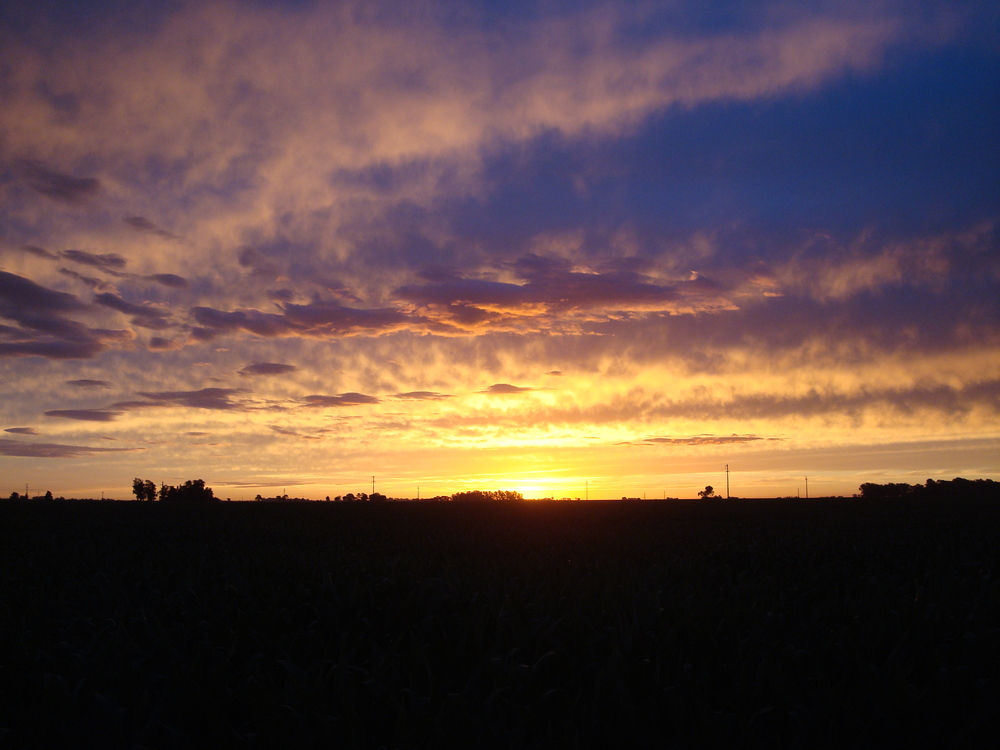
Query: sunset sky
[(564, 248)]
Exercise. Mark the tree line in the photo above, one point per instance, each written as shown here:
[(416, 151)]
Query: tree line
[(193, 490), (958, 487)]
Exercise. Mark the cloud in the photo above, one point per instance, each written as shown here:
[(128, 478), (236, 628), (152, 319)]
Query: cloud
[(317, 320), (111, 263), (53, 349), (706, 440), (89, 383), (343, 399), (261, 266), (267, 368), (90, 281), (22, 430), (52, 450), (19, 296), (170, 280), (160, 344), (56, 185), (506, 389), (44, 330), (324, 319), (422, 396), (292, 433), (85, 415), (205, 398), (215, 322), (41, 252), (142, 315), (555, 295), (142, 224)]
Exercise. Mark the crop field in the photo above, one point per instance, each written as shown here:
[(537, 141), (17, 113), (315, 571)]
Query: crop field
[(500, 625)]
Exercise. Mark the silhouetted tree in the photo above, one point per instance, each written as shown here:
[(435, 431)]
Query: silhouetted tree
[(957, 487), (481, 495), (191, 491), (708, 492), (143, 490)]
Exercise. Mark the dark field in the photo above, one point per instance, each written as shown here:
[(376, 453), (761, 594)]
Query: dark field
[(751, 623)]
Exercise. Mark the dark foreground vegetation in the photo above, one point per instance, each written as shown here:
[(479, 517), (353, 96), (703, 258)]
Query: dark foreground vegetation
[(500, 625)]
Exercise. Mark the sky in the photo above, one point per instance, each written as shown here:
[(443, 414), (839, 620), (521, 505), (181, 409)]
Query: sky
[(572, 249)]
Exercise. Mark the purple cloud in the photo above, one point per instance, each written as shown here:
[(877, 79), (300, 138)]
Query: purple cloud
[(111, 263), (706, 440), (267, 368), (18, 295), (89, 383), (91, 281), (41, 252), (422, 396), (142, 316), (169, 279), (205, 398), (253, 321), (550, 286), (142, 224), (53, 349), (85, 415), (506, 389), (160, 344), (44, 332), (317, 319), (331, 318), (52, 450), (56, 185), (292, 433), (22, 430), (343, 399)]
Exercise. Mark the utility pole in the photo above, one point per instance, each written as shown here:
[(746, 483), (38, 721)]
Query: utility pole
[(418, 492), (586, 488), (807, 488), (373, 485), (727, 481)]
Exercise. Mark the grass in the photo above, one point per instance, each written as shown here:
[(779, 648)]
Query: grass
[(659, 624)]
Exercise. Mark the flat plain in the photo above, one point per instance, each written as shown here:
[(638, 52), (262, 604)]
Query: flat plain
[(783, 623)]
